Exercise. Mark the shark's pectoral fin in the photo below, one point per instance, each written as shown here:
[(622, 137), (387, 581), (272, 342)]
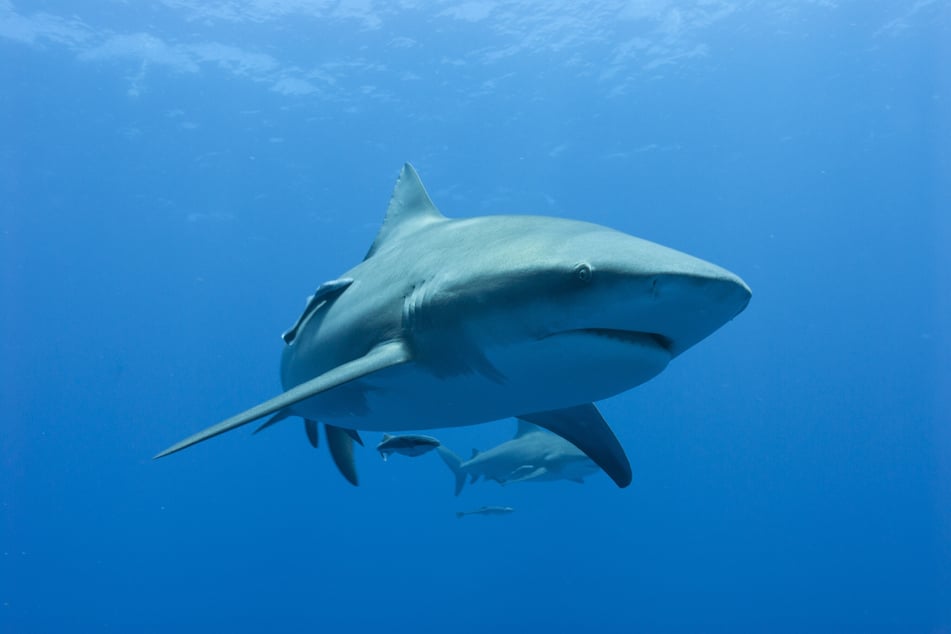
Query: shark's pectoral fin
[(281, 415), (341, 450), (379, 358), (310, 427), (584, 427)]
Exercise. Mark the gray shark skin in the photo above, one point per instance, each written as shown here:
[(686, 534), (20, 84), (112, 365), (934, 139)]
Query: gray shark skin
[(532, 455), (411, 445), (486, 510), (452, 322)]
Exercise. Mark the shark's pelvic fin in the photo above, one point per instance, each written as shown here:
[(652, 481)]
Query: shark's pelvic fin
[(278, 417), (326, 292), (410, 208), (341, 450), (382, 356), (585, 428), (310, 427), (354, 435)]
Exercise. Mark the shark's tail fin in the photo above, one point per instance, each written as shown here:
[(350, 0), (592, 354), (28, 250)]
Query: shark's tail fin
[(454, 462)]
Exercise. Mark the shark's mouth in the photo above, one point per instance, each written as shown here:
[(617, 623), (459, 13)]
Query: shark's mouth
[(634, 337)]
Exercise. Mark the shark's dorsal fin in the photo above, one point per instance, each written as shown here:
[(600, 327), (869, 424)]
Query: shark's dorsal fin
[(410, 208), (525, 427)]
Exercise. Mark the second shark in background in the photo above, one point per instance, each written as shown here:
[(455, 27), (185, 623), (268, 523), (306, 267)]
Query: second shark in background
[(533, 455)]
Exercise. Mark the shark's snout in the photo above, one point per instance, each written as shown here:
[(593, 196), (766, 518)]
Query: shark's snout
[(723, 288), (685, 308)]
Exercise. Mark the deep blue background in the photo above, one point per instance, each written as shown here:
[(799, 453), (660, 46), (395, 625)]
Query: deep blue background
[(175, 179)]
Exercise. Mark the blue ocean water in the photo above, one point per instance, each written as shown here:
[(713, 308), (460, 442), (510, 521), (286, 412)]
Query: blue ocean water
[(177, 176)]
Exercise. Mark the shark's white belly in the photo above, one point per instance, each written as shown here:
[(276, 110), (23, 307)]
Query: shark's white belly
[(541, 375)]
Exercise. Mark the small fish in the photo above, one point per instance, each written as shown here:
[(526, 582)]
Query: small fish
[(487, 510), (408, 445)]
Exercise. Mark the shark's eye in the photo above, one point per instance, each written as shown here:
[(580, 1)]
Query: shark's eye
[(583, 272)]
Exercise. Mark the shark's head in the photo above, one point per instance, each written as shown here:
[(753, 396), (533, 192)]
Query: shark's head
[(572, 279), (546, 277), (625, 287)]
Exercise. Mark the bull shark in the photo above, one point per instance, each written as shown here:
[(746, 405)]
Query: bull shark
[(533, 455), (451, 322)]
